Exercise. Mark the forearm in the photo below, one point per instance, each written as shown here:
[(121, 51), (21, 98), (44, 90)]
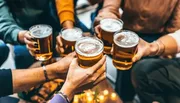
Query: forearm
[(167, 45), (25, 79), (65, 11), (115, 4)]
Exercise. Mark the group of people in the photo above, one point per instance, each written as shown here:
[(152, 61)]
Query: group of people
[(154, 76)]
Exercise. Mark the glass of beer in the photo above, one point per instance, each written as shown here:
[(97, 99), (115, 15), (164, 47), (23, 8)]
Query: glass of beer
[(125, 47), (89, 51), (43, 36), (108, 28), (69, 37)]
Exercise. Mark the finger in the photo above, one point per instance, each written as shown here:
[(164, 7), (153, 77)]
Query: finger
[(74, 63), (59, 41), (101, 78), (97, 31), (37, 99), (73, 54), (96, 75), (32, 51), (98, 65), (31, 43), (28, 36), (137, 57)]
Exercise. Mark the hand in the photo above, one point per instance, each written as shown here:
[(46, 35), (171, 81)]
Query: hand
[(63, 65), (21, 36), (60, 48), (145, 49), (30, 43), (102, 15), (78, 77)]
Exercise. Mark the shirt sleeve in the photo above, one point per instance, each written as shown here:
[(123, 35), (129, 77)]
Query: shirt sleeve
[(58, 99), (65, 10), (8, 28), (6, 87), (176, 36)]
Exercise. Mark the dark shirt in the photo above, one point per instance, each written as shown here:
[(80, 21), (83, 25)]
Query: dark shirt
[(6, 85)]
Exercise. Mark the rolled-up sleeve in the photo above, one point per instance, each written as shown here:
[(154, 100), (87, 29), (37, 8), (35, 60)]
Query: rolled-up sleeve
[(65, 10), (8, 28), (176, 36), (6, 87)]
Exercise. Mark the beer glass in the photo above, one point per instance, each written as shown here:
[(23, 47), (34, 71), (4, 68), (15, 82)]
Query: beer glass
[(69, 37), (125, 47), (89, 51), (43, 36), (108, 28)]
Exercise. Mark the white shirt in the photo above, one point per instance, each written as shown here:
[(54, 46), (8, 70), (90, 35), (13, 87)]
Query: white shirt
[(176, 36)]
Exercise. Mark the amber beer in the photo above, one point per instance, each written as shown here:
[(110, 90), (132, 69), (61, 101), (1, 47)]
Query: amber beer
[(89, 51), (43, 37), (125, 44), (108, 28), (69, 37)]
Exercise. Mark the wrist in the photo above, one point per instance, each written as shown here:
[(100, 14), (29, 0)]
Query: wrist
[(21, 36), (58, 71), (111, 9), (153, 49), (68, 24), (68, 89)]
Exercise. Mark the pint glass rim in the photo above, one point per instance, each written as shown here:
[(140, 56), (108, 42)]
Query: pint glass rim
[(120, 32), (79, 29), (89, 55), (119, 20), (40, 25)]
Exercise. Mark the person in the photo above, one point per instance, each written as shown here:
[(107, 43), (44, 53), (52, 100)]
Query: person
[(4, 52), (149, 20), (77, 78), (18, 16), (157, 79)]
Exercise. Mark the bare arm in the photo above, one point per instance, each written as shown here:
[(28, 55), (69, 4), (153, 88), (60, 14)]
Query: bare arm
[(27, 78), (166, 45)]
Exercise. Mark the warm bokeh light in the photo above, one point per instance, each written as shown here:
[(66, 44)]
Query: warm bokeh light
[(101, 97), (105, 92), (113, 96), (76, 99)]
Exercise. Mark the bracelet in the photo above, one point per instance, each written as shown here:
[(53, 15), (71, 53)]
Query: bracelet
[(158, 47), (64, 96), (45, 73), (160, 51)]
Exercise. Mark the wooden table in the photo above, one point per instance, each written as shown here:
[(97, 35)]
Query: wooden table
[(105, 94)]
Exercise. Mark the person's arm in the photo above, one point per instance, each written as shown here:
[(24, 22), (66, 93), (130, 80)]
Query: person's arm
[(65, 11), (80, 79), (27, 78), (166, 45), (13, 81), (9, 30)]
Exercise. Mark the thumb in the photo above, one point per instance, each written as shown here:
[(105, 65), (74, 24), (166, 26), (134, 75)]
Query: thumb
[(137, 57), (74, 63)]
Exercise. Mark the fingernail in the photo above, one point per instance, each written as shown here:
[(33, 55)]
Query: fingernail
[(34, 39), (36, 51), (35, 45)]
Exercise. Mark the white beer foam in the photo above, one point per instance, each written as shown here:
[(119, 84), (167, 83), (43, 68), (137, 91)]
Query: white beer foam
[(40, 31), (89, 47), (126, 39), (71, 34), (111, 25)]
